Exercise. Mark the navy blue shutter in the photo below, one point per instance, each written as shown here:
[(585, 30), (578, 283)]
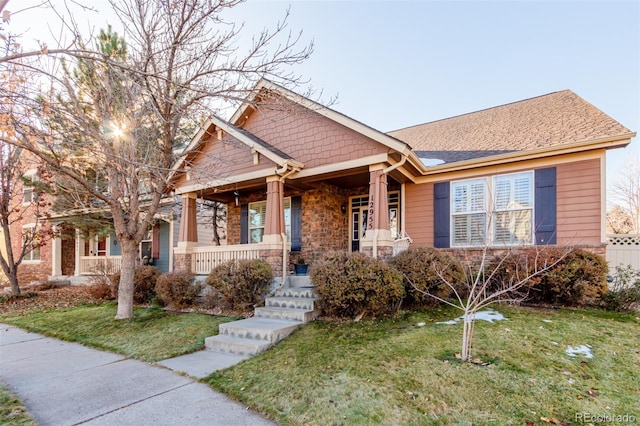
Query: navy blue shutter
[(545, 206), (244, 224), (441, 213), (296, 223)]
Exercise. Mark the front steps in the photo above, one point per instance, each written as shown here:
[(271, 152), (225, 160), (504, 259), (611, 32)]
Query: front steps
[(283, 312)]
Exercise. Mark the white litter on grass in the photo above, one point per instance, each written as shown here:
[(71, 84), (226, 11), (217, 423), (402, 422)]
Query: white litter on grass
[(421, 324), (488, 315), (545, 320), (579, 350)]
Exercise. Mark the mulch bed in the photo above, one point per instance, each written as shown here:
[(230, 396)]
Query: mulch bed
[(34, 298)]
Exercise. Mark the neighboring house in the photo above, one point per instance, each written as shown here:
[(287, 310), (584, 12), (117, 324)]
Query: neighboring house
[(300, 179)]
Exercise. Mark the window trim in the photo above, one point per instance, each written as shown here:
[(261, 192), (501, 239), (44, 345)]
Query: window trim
[(30, 189), (490, 210), (28, 255)]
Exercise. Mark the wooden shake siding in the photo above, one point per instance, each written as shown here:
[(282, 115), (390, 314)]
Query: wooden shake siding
[(578, 202), (309, 137), (419, 213)]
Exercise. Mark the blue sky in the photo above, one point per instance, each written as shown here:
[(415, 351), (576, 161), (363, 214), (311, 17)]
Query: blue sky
[(395, 64)]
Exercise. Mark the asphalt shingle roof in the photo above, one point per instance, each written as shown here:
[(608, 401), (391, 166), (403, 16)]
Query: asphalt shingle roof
[(555, 119)]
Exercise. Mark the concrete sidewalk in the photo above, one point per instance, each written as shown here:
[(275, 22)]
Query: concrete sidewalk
[(64, 383)]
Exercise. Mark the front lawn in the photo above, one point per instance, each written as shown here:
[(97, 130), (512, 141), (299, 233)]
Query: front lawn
[(396, 372), (12, 411), (152, 335)]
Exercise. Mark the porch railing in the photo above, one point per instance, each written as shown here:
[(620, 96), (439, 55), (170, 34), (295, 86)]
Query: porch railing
[(205, 258), (91, 265)]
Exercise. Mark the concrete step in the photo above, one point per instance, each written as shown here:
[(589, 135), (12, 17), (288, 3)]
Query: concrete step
[(263, 329), (289, 302), (295, 292), (235, 345), (298, 281), (287, 314)]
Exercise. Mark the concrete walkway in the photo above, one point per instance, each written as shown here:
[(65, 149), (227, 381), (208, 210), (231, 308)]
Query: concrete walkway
[(64, 383)]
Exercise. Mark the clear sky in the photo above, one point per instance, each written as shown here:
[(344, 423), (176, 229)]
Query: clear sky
[(395, 64)]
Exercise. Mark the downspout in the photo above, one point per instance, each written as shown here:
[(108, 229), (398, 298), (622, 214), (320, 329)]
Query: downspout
[(378, 183), (283, 235)]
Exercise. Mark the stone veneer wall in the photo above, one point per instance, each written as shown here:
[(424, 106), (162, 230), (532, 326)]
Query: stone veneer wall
[(324, 226)]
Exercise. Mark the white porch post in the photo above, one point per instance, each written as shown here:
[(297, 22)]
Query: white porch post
[(56, 254), (79, 251)]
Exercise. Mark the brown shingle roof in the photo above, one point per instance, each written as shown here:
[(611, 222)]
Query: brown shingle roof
[(554, 119)]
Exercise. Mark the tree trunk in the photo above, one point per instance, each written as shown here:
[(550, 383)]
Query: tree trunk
[(467, 333), (127, 274), (13, 280)]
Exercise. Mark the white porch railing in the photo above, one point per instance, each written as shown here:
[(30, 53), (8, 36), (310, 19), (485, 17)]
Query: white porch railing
[(623, 249), (91, 265), (205, 258)]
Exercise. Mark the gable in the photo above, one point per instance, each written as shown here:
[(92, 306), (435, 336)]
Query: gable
[(221, 159), (308, 137)]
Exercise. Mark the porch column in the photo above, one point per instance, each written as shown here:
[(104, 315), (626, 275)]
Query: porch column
[(377, 241), (274, 220), (188, 221), (79, 251), (56, 254)]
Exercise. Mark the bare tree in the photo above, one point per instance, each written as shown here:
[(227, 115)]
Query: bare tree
[(485, 284), (120, 111), (626, 191), (619, 221)]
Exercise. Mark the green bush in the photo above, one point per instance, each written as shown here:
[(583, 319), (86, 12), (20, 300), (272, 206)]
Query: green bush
[(427, 270), (241, 284), (350, 285), (624, 291), (178, 290), (578, 279), (144, 283)]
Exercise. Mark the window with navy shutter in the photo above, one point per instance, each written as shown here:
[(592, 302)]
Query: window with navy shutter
[(441, 222), (545, 200)]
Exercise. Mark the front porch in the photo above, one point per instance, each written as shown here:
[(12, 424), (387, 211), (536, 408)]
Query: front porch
[(281, 221)]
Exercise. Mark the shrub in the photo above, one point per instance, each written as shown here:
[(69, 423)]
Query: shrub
[(352, 285), (100, 291), (177, 290), (624, 291), (580, 278), (423, 270), (241, 284), (144, 283)]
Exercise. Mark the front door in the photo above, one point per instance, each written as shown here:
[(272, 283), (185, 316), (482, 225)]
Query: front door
[(359, 217), (360, 214)]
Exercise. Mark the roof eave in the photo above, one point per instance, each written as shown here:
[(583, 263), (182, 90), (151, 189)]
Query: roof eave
[(610, 142)]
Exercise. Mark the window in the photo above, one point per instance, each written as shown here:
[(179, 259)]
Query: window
[(496, 211), (31, 241), (29, 193), (468, 212), (257, 217), (513, 209)]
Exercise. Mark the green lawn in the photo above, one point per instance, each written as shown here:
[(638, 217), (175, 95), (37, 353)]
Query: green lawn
[(12, 411), (394, 372), (151, 336)]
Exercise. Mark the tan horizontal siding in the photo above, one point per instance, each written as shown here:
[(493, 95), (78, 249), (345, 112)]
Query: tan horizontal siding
[(419, 213), (578, 202)]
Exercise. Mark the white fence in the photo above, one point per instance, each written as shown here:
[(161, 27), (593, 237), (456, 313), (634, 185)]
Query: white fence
[(90, 265), (204, 259), (623, 249)]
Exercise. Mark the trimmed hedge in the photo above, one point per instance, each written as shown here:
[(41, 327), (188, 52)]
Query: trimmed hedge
[(178, 290), (241, 284), (350, 285), (423, 270)]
